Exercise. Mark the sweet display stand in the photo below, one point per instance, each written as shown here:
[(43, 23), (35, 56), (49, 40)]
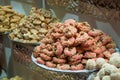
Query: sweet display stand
[(22, 64)]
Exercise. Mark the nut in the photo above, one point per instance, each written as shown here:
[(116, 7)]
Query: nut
[(9, 18), (32, 28)]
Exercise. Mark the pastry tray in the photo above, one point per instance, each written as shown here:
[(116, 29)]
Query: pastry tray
[(58, 70)]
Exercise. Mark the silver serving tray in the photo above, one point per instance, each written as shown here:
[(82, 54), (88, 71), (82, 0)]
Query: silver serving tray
[(59, 70), (38, 43)]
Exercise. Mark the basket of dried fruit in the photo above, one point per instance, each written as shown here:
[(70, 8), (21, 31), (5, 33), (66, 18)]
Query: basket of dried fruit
[(72, 48)]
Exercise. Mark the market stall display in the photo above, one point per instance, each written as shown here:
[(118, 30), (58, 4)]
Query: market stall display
[(34, 26), (69, 45), (45, 49)]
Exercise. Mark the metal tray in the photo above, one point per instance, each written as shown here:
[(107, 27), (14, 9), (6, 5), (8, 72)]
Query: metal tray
[(23, 42), (58, 70)]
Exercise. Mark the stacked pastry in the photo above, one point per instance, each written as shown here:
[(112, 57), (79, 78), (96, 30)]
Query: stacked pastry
[(69, 45), (9, 19), (33, 27)]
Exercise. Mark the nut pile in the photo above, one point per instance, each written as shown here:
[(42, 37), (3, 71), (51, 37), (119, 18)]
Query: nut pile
[(9, 19), (69, 45), (111, 70), (33, 27)]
